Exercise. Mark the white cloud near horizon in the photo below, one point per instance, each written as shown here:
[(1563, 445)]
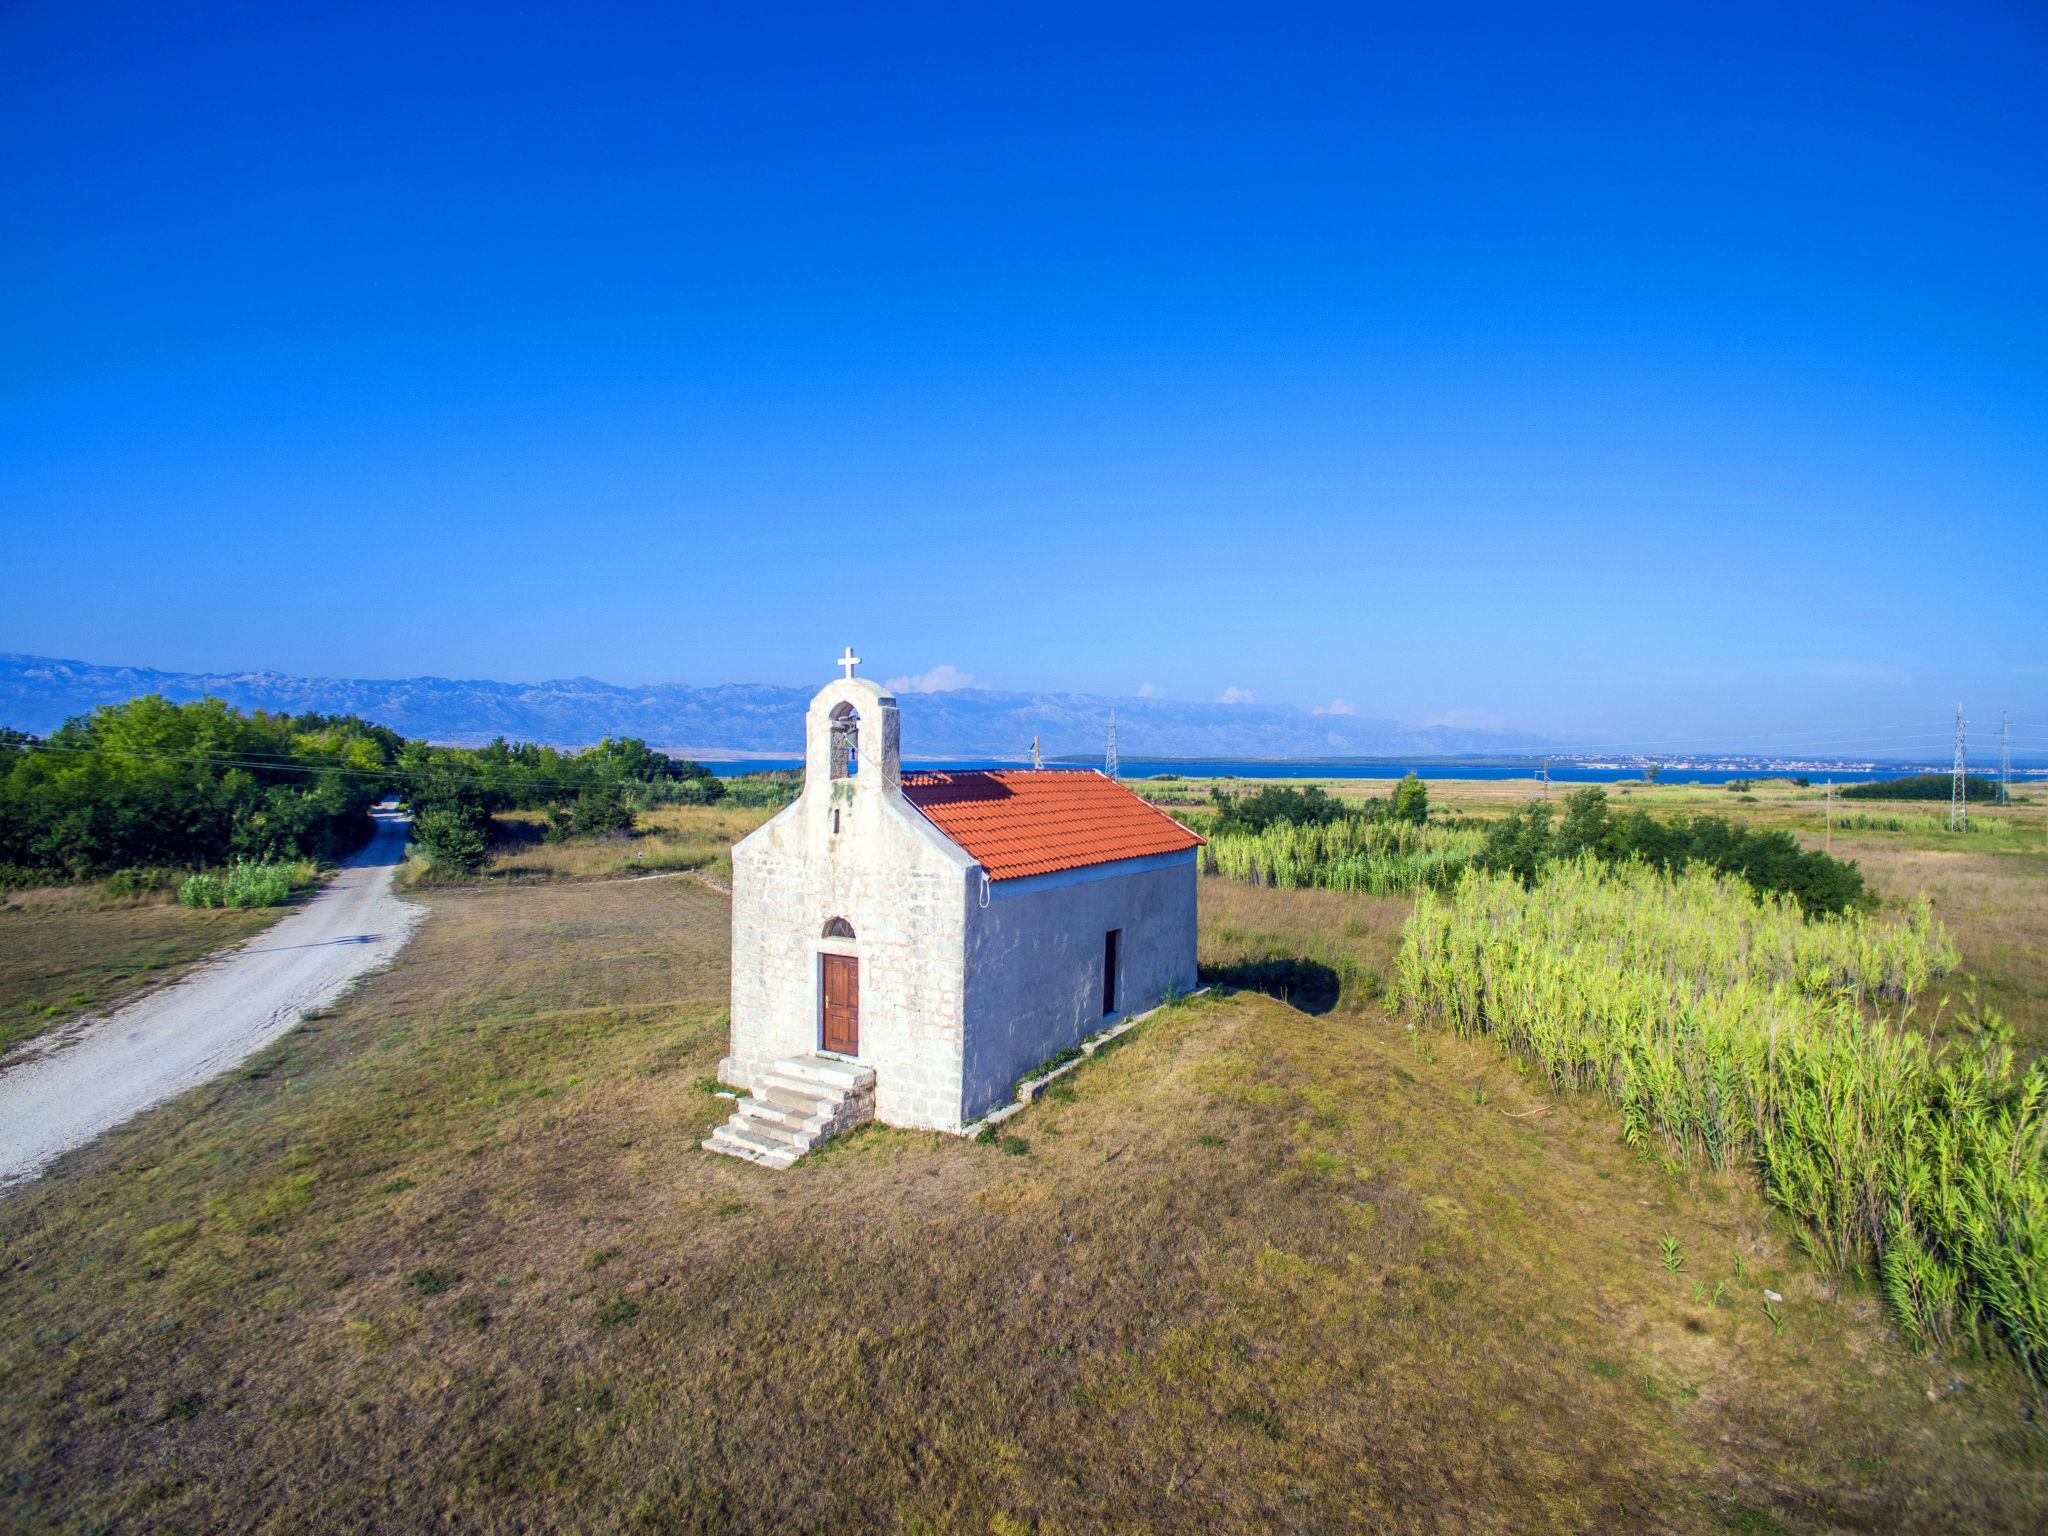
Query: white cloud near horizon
[(1151, 691), (944, 678), (1234, 695), (1334, 707)]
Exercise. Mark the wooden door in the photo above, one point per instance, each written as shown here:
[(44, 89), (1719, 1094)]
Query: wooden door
[(841, 1030), (1109, 959)]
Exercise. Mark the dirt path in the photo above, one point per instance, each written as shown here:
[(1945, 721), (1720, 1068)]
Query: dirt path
[(86, 1078)]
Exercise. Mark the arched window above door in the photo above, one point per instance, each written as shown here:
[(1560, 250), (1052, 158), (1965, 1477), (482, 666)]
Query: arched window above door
[(839, 928)]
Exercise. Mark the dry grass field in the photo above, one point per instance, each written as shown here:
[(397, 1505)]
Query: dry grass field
[(450, 1258), (67, 950), (450, 1255), (668, 838)]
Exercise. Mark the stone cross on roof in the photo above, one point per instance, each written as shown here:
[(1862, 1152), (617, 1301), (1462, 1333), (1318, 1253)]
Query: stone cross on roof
[(849, 661)]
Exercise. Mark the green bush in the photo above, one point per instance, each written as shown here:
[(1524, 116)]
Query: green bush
[(245, 884), (1310, 807), (1525, 843), (599, 811), (454, 838)]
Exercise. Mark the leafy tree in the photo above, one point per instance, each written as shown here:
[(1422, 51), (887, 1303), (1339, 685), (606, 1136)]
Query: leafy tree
[(1410, 801), (150, 782)]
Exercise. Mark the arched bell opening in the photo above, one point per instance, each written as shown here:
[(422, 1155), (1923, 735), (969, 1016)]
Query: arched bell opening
[(845, 741)]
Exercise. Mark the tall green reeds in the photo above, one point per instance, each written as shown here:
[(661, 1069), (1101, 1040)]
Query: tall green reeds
[(1349, 854), (1734, 1031)]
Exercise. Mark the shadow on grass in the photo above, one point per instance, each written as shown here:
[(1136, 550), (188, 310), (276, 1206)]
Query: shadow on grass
[(1308, 985)]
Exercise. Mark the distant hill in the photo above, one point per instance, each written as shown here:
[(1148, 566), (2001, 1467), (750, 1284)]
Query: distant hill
[(37, 693)]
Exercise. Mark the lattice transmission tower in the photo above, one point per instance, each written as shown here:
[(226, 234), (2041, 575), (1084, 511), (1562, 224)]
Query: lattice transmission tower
[(2004, 757), (1959, 791), (1109, 763)]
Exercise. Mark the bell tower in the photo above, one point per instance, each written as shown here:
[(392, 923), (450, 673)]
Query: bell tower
[(852, 736)]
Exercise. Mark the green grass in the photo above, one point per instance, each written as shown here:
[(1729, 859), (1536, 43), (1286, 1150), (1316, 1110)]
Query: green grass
[(68, 950)]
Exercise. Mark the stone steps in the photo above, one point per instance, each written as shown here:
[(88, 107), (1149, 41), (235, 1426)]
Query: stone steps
[(804, 1100)]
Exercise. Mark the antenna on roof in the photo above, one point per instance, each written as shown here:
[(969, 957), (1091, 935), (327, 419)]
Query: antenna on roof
[(1036, 760), (1109, 763)]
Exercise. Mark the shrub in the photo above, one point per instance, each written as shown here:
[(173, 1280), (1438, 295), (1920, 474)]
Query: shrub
[(599, 811), (1310, 807), (1525, 843), (245, 884), (455, 838), (204, 891)]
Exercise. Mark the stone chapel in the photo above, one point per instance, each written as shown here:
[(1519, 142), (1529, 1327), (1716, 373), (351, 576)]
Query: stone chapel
[(906, 946)]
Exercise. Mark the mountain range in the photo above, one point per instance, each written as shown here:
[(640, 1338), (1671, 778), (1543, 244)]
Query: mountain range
[(739, 720)]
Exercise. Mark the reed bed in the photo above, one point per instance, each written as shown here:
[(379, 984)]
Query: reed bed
[(1377, 858), (1738, 1033), (1923, 825)]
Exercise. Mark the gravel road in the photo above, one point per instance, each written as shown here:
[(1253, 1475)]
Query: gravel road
[(93, 1075)]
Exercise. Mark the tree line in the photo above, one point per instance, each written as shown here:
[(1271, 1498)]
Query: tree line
[(1529, 841), (152, 784), (1977, 788)]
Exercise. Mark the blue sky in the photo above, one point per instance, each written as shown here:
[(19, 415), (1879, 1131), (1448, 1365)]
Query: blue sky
[(1627, 373)]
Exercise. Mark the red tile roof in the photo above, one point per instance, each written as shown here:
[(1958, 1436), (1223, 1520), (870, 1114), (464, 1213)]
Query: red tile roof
[(1033, 822)]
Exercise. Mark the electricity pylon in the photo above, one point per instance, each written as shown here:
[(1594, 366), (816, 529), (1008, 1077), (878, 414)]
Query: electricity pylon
[(1958, 795)]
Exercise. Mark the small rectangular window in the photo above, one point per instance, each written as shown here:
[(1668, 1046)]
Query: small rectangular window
[(1110, 944), (835, 822)]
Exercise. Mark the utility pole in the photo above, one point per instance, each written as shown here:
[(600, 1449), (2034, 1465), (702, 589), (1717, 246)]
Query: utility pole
[(1546, 778), (1959, 794), (2005, 757), (1831, 816), (1109, 762)]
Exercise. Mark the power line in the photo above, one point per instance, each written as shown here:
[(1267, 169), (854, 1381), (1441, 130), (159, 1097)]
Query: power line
[(267, 765)]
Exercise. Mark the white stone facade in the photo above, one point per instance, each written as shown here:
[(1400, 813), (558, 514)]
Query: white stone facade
[(965, 984)]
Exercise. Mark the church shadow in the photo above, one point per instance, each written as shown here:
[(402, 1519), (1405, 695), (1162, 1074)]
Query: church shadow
[(1308, 985)]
